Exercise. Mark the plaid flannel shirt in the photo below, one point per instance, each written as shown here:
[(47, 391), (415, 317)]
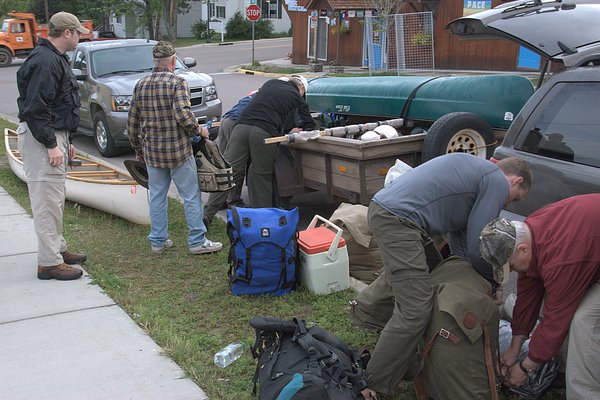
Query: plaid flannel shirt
[(160, 121)]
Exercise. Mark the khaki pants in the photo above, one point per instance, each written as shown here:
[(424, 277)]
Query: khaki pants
[(404, 249), (46, 186), (234, 196), (583, 359)]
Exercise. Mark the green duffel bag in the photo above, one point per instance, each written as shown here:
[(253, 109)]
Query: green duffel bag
[(462, 337)]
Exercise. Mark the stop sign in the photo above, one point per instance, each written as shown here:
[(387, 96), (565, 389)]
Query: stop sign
[(253, 12)]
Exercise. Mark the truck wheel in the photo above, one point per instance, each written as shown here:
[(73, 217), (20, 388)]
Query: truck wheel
[(102, 136), (6, 57), (459, 132)]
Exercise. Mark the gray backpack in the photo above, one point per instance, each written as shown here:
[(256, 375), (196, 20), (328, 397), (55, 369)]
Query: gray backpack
[(214, 172)]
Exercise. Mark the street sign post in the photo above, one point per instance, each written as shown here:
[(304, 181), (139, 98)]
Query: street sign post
[(253, 14)]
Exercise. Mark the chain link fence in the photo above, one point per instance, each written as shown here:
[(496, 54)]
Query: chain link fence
[(400, 42)]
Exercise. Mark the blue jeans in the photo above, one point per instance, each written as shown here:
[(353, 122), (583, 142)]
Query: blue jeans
[(186, 180)]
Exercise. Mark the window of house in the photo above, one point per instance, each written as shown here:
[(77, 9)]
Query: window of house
[(565, 126), (220, 12), (271, 9)]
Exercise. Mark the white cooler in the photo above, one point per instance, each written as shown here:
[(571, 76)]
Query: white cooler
[(324, 265)]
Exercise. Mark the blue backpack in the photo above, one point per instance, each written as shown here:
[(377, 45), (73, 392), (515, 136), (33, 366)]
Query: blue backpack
[(262, 256)]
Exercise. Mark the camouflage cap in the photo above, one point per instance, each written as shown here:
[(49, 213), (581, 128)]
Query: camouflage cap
[(497, 243), (64, 20), (163, 50)]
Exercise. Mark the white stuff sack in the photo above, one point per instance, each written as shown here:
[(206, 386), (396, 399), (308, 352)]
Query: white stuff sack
[(397, 169)]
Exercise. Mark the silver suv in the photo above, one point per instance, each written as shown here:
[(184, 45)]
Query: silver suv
[(107, 72)]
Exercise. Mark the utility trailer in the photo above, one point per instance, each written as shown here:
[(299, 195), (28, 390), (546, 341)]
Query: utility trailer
[(441, 114)]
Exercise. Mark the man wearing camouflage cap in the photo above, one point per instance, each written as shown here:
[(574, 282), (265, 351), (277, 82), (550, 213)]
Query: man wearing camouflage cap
[(556, 252), (160, 126), (48, 115)]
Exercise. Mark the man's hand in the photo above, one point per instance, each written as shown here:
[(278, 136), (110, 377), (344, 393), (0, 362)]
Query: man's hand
[(56, 157), (203, 132), (508, 360), (72, 152), (369, 394), (499, 295), (516, 376)]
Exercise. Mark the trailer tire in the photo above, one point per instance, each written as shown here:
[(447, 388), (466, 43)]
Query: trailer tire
[(6, 57), (459, 132)]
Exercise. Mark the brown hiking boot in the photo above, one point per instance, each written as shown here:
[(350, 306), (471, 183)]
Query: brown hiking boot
[(61, 272), (73, 258)]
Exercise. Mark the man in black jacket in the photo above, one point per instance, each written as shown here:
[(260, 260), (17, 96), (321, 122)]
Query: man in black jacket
[(48, 113), (263, 118)]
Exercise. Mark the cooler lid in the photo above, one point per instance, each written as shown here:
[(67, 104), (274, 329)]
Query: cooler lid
[(317, 240)]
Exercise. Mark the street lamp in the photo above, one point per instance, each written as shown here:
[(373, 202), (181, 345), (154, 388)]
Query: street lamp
[(207, 21)]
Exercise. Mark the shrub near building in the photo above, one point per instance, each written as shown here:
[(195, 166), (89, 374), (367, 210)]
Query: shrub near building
[(240, 28)]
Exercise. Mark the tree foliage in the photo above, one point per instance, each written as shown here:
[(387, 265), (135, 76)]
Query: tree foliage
[(385, 8), (7, 6), (239, 27)]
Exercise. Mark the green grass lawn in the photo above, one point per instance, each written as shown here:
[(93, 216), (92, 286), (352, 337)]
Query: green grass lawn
[(182, 301)]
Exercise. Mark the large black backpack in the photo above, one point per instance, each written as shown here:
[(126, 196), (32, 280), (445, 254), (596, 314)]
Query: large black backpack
[(300, 363)]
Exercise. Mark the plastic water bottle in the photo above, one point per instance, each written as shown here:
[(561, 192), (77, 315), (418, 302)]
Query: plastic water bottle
[(228, 354)]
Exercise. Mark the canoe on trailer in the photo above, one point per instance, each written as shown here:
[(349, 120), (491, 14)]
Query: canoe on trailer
[(93, 184)]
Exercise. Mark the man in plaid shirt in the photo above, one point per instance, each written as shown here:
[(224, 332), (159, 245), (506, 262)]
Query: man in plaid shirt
[(160, 125)]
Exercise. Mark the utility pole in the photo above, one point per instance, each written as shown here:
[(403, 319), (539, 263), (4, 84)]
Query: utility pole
[(46, 10), (207, 21)]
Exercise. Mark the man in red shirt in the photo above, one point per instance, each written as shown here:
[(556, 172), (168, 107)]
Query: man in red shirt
[(556, 252)]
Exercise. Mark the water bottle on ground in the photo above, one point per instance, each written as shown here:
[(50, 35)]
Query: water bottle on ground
[(229, 354)]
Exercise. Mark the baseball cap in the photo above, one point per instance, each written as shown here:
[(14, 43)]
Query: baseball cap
[(163, 49), (497, 243), (303, 80), (64, 20)]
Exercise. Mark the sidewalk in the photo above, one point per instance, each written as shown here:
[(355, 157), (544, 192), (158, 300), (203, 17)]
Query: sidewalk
[(68, 340)]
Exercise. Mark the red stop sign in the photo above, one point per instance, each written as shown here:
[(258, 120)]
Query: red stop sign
[(253, 12)]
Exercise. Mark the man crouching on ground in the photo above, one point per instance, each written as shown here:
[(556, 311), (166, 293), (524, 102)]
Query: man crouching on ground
[(455, 194)]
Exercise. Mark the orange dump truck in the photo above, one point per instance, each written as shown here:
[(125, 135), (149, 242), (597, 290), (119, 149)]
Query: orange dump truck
[(20, 34)]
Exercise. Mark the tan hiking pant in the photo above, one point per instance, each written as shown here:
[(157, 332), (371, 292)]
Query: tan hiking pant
[(583, 359), (46, 186)]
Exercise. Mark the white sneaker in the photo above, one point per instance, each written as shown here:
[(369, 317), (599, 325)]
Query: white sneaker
[(207, 247), (159, 249)]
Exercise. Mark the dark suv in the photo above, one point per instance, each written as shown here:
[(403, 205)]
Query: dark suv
[(558, 129)]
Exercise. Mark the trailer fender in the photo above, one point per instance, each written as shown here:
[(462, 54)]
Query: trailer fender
[(459, 132)]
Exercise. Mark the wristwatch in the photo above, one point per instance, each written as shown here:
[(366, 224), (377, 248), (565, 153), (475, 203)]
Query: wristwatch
[(530, 372)]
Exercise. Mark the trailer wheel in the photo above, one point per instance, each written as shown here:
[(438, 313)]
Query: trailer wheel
[(102, 136), (6, 57), (459, 132)]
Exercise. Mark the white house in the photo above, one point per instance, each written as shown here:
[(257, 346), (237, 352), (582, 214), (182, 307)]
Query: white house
[(223, 10), (220, 12)]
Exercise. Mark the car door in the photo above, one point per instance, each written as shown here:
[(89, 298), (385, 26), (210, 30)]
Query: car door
[(561, 142), (80, 63)]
